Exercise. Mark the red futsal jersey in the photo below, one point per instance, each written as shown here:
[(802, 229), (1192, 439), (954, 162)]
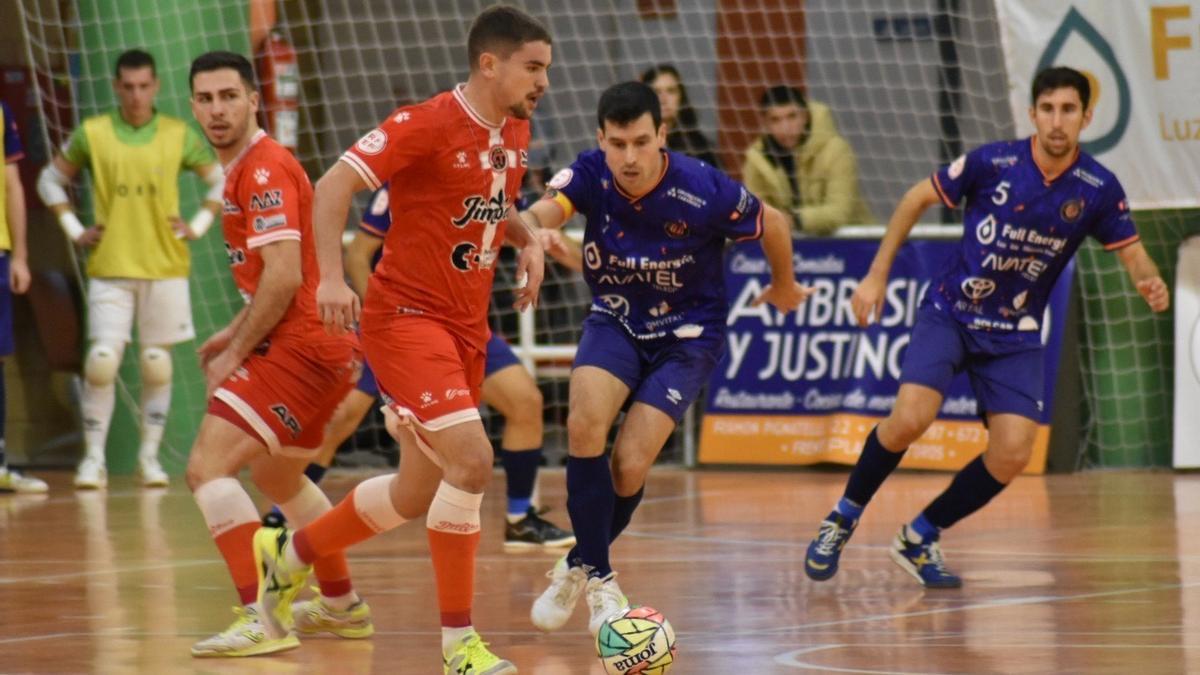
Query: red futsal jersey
[(268, 198), (452, 177), (286, 390)]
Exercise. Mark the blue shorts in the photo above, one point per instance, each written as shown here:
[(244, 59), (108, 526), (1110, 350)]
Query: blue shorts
[(499, 356), (1005, 376), (6, 308), (666, 373)]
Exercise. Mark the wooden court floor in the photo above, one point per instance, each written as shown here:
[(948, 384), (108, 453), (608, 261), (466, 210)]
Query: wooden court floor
[(1090, 573)]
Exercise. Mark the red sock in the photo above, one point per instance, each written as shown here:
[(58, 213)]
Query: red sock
[(237, 547), (333, 575), (364, 513), (453, 527)]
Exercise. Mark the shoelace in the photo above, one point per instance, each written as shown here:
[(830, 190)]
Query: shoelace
[(477, 655), (605, 595), (245, 618), (827, 537), (935, 557), (568, 588)]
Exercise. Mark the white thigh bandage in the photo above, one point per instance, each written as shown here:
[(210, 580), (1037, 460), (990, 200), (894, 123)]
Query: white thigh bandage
[(100, 366), (156, 366)]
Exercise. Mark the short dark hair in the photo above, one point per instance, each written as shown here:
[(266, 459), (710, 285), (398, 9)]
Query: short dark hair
[(626, 102), (782, 94), (1057, 78), (502, 29), (686, 118), (219, 60), (133, 59)]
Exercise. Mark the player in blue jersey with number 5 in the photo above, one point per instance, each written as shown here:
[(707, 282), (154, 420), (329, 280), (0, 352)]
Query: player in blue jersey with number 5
[(1029, 204), (657, 222)]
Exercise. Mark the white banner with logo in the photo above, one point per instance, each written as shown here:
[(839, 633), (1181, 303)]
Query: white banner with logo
[(1142, 59), (1187, 356)]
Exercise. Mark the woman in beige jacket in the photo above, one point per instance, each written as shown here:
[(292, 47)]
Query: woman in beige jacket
[(803, 167)]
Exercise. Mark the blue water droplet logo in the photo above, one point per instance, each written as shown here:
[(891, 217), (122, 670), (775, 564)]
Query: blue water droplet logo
[(1074, 22)]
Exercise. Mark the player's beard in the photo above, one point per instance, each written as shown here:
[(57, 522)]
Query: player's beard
[(235, 136), (520, 111)]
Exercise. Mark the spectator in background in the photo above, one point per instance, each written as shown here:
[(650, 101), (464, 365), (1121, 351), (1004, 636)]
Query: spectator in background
[(802, 166), (683, 127)]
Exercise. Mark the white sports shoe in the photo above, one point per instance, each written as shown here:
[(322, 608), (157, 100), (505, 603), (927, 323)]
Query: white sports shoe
[(555, 605), (152, 472), (92, 474), (13, 481), (246, 636), (604, 599)]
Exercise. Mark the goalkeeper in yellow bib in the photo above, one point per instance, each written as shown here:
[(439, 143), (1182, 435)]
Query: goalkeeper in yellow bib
[(137, 260)]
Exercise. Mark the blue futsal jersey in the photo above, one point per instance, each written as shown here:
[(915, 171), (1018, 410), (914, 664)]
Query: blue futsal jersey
[(653, 263), (1020, 228)]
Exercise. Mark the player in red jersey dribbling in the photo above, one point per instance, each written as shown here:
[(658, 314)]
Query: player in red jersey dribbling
[(454, 164)]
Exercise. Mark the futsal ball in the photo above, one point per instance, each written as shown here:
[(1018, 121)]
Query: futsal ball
[(638, 640)]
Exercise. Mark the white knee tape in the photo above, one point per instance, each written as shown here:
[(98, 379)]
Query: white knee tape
[(100, 366), (156, 366)]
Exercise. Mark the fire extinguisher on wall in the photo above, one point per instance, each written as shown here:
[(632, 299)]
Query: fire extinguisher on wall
[(279, 73)]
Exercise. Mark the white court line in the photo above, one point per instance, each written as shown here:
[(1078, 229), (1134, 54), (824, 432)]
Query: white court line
[(6, 581), (987, 604), (790, 659), (968, 554)]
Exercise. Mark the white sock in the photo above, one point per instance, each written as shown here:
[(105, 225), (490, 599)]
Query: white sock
[(291, 557), (225, 505), (156, 401), (308, 504), (340, 603), (98, 403), (450, 636)]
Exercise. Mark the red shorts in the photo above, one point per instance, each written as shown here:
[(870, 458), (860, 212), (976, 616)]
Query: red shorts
[(285, 392), (426, 373)]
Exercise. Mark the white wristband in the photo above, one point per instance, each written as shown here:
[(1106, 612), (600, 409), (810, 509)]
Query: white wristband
[(200, 223), (71, 225)]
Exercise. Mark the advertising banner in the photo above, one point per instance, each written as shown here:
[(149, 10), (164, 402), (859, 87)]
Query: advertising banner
[(809, 387), (1140, 58)]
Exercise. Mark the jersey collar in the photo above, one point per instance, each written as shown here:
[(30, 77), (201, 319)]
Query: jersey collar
[(119, 120), (633, 200), (471, 112), (258, 136), (1047, 178)]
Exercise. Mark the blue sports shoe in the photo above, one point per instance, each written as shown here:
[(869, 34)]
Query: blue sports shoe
[(821, 560), (922, 559)]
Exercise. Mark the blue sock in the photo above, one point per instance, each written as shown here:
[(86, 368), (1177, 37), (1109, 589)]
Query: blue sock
[(590, 502), (315, 472), (926, 529), (971, 488), (849, 509), (874, 465), (520, 469), (623, 512)]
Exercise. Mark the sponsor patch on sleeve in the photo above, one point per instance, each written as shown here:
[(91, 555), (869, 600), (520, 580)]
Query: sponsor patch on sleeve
[(956, 167), (268, 223), (373, 143), (267, 200), (561, 179)]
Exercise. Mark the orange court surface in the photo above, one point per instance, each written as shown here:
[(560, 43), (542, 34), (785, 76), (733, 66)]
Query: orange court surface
[(1087, 573)]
